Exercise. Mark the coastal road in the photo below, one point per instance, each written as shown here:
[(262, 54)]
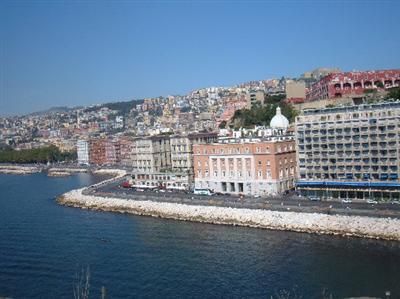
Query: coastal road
[(289, 202)]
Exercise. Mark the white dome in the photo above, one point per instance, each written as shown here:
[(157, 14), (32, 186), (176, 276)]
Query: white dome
[(279, 121)]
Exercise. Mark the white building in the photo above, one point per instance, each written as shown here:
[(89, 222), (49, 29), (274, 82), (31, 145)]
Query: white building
[(82, 149)]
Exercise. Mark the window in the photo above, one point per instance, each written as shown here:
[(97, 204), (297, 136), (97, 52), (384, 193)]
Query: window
[(268, 163), (259, 163)]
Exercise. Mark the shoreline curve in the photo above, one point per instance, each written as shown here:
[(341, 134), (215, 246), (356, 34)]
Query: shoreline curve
[(317, 223)]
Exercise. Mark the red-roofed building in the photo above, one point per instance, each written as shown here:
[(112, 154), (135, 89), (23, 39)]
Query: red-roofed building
[(350, 84)]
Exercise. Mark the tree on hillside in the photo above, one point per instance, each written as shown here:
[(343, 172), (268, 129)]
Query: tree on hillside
[(258, 115), (394, 93)]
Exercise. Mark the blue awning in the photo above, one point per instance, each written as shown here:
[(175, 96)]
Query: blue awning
[(348, 184)]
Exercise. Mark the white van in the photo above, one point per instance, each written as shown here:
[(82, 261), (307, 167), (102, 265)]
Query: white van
[(202, 191)]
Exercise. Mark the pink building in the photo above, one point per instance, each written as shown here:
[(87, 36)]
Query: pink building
[(350, 84)]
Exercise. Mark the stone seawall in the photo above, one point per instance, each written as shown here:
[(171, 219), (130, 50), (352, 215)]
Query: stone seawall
[(365, 227), (21, 170)]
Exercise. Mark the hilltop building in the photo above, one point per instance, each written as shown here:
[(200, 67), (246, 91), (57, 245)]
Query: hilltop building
[(352, 84), (295, 91), (255, 97)]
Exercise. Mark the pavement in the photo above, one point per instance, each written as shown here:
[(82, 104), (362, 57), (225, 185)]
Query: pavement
[(289, 202)]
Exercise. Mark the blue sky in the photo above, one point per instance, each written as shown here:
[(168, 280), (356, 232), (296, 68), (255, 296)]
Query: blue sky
[(56, 53)]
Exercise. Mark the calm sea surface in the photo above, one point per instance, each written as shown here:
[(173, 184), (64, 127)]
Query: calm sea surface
[(43, 246)]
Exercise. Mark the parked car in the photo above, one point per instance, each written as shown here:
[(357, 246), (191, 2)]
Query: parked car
[(198, 191), (346, 200), (370, 201), (126, 184), (314, 198)]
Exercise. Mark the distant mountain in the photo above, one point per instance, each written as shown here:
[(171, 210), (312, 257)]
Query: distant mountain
[(122, 107), (53, 110)]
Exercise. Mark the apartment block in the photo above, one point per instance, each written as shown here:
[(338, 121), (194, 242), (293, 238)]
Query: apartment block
[(125, 150), (255, 97), (104, 151), (350, 152), (251, 167), (151, 154), (82, 149), (182, 150)]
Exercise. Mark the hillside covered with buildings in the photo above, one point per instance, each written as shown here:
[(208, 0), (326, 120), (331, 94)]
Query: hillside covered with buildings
[(252, 138)]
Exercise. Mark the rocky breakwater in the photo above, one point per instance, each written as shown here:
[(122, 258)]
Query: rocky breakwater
[(15, 169), (366, 227), (60, 172)]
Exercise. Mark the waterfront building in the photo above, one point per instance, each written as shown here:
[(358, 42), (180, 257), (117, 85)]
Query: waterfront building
[(182, 152), (151, 154), (104, 151), (182, 149), (82, 150), (249, 165), (125, 150), (350, 152), (352, 84), (161, 180)]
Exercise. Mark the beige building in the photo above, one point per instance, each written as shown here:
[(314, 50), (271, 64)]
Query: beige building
[(166, 161), (254, 97), (295, 90), (182, 150), (151, 154)]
